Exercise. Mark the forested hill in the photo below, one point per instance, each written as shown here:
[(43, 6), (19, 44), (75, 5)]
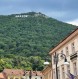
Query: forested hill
[(30, 34)]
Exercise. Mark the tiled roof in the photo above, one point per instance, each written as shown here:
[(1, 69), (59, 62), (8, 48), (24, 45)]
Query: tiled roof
[(20, 72), (13, 72)]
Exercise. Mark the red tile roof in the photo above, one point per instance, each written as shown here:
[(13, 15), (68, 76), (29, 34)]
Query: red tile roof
[(20, 72)]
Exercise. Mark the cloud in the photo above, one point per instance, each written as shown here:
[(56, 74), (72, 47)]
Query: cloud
[(74, 22), (63, 10)]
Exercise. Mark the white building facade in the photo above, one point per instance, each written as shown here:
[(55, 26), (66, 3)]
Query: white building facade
[(69, 47)]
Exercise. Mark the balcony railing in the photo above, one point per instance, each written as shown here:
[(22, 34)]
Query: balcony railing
[(72, 56)]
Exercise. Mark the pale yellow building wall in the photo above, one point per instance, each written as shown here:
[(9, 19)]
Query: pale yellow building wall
[(47, 73), (25, 77), (14, 77), (61, 61)]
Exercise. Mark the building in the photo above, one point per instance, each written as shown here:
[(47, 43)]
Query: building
[(21, 74), (69, 47), (13, 73), (23, 16), (47, 72)]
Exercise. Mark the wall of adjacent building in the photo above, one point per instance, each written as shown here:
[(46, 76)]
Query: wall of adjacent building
[(47, 73), (13, 77)]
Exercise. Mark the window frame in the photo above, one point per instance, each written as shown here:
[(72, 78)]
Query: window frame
[(73, 47), (67, 50)]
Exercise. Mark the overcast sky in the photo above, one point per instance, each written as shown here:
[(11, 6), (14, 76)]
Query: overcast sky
[(63, 10)]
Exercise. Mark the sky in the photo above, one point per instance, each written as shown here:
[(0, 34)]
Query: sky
[(63, 10)]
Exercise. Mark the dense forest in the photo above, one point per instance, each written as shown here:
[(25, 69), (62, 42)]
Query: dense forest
[(27, 38)]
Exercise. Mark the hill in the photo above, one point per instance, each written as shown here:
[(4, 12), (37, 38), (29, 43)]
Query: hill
[(29, 34)]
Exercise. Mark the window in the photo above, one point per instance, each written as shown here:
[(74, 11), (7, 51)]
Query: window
[(75, 68), (22, 78), (73, 47), (58, 73), (11, 77), (67, 51), (62, 53), (68, 71), (53, 59), (54, 74), (16, 78), (63, 74), (68, 68)]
